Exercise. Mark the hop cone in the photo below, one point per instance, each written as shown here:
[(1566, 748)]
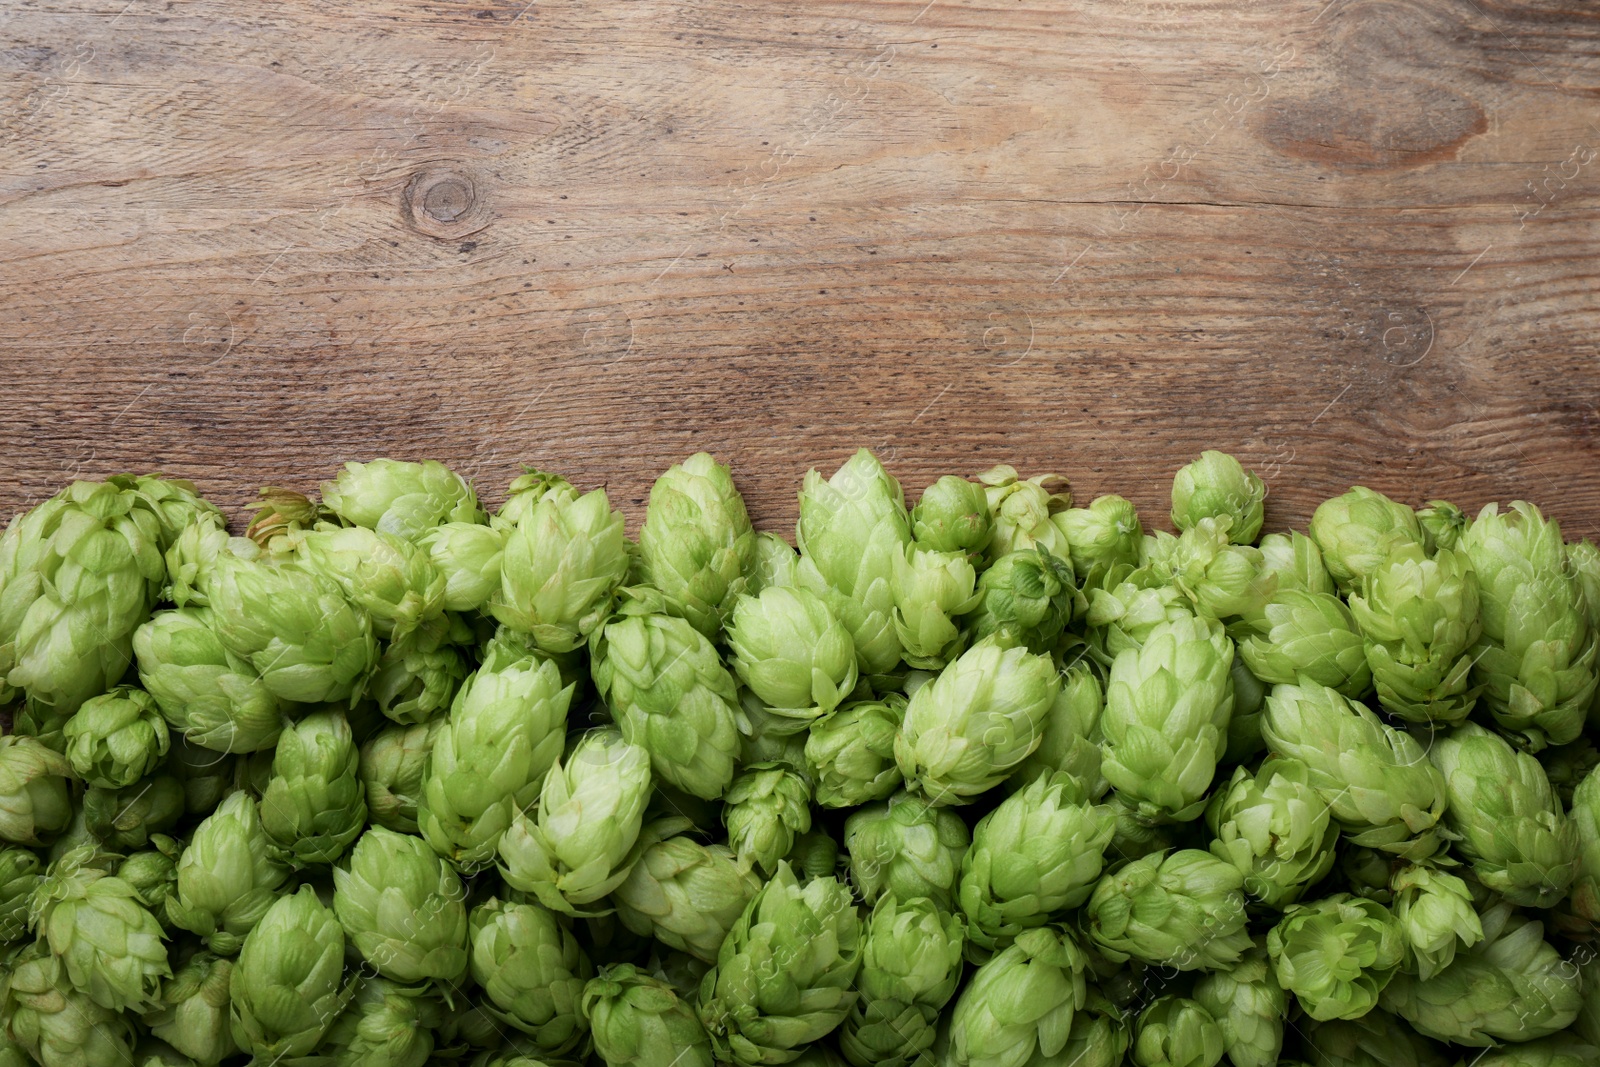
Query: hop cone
[(1507, 817), (906, 848), (1512, 986), (793, 652), (532, 971), (1435, 911), (764, 809), (931, 589), (34, 803), (193, 1015), (639, 1021), (388, 577), (416, 681), (1377, 782), (853, 528), (470, 557), (128, 818), (391, 766), (1177, 1032), (402, 908), (1275, 829), (952, 516), (671, 695), (1070, 740), (504, 732), (1296, 562), (1017, 1008), (314, 806), (564, 557), (1028, 597), (105, 937), (1302, 636), (1035, 856), (1021, 510), (1536, 656), (966, 731), (227, 877), (1358, 530), (1249, 1007), (684, 894), (1166, 717), (400, 498), (849, 754), (212, 697), (55, 1023), (288, 985), (1336, 954), (910, 967), (116, 738), (1183, 909), (1101, 537), (386, 1025), (786, 974), (696, 544), (1420, 619), (581, 844), (1217, 486)]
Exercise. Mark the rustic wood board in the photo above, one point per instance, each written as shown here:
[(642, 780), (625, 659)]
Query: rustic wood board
[(1346, 240)]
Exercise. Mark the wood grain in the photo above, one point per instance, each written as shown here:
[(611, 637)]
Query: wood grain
[(1347, 240)]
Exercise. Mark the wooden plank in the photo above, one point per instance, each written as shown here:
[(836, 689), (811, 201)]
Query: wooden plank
[(1348, 241)]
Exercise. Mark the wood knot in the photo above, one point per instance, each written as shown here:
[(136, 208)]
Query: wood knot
[(445, 203)]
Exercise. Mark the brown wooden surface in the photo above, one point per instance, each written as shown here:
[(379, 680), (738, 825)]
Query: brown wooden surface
[(1356, 240)]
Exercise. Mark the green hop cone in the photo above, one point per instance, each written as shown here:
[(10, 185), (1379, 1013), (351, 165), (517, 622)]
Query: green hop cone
[(1377, 1039), (470, 557), (1021, 510), (153, 873), (1176, 1032), (55, 1023), (532, 972), (1358, 530), (849, 753), (684, 894), (1377, 781), (386, 1025), (1419, 617), (785, 976), (1182, 909), (565, 556), (1166, 718), (638, 1020), (1568, 765), (793, 652), (504, 731), (1101, 537), (402, 908), (295, 627), (388, 577), (1249, 1007), (19, 877), (1028, 597), (314, 805), (952, 516), (775, 563), (814, 854), (190, 556), (968, 729), (853, 528), (400, 498), (1507, 817), (1034, 857), (1442, 525), (1017, 1008), (1536, 656), (1221, 579), (1121, 617), (931, 589), (108, 941), (1275, 829), (671, 695), (1511, 986), (227, 877), (117, 738), (1435, 911), (1585, 819), (414, 683), (1336, 954), (78, 574), (1100, 1035), (906, 848), (1296, 561), (391, 765), (1217, 486), (288, 984), (581, 844), (209, 695), (764, 809), (1070, 740), (1306, 636), (34, 801), (193, 1013), (696, 544), (127, 818), (910, 967)]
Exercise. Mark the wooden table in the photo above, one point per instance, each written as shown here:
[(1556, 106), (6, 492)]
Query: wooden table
[(1347, 240)]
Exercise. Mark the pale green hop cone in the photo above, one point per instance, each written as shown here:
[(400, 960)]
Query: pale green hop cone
[(400, 497), (1183, 910), (765, 808), (1336, 954), (1027, 598), (685, 894), (793, 652), (388, 577), (470, 557), (906, 848), (638, 1020), (111, 945), (1275, 829), (209, 695), (35, 804), (402, 908), (1358, 530), (391, 765), (1249, 1007), (532, 971), (932, 590), (1306, 636), (1216, 485), (228, 876), (952, 515), (1176, 1032), (116, 738), (1070, 741), (314, 806), (1435, 911), (288, 985), (1018, 1008), (696, 544), (20, 875), (849, 754), (52, 1021), (386, 1025), (1021, 510), (1100, 537), (193, 1013), (910, 968)]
